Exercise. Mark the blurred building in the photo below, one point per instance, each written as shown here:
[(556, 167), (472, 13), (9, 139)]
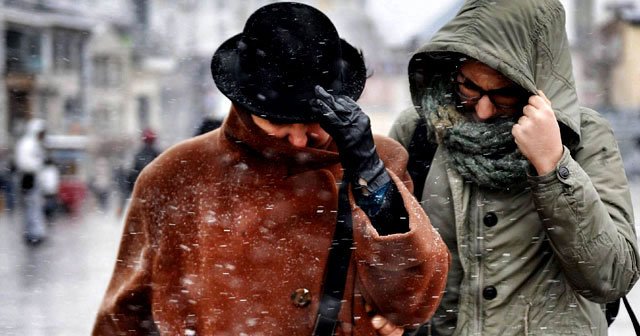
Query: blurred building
[(177, 41), (102, 71), (47, 66), (606, 68), (43, 66), (105, 70), (581, 29), (616, 60), (616, 67)]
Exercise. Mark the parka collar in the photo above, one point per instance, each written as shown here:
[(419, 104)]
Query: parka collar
[(240, 128), (525, 40)]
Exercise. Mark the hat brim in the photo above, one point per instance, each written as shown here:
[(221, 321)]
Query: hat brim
[(226, 72)]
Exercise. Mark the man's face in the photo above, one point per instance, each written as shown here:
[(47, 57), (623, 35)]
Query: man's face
[(299, 135), (487, 94)]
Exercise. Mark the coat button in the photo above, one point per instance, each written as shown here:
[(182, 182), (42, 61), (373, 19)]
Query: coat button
[(489, 292), (563, 172), (301, 297), (490, 219)]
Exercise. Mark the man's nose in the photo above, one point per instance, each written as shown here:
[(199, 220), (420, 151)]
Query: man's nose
[(298, 135), (484, 109)]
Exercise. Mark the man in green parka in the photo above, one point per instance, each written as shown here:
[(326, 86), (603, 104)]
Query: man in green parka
[(526, 187)]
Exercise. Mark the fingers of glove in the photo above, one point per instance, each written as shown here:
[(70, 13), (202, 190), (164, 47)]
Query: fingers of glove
[(325, 96), (347, 109), (326, 113), (343, 106), (348, 103), (337, 103)]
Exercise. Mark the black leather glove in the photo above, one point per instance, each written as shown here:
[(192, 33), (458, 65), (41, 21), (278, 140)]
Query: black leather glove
[(350, 128)]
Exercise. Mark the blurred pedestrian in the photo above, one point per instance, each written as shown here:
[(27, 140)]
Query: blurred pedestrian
[(143, 157), (526, 186), (49, 180), (120, 176), (30, 155), (147, 153), (7, 181), (632, 161), (101, 182), (232, 232)]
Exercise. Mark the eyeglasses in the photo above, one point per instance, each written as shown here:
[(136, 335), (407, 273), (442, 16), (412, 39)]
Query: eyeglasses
[(506, 99)]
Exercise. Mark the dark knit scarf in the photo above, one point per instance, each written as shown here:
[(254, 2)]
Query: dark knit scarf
[(484, 153)]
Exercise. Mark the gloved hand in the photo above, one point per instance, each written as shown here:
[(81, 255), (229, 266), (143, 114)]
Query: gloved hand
[(350, 128)]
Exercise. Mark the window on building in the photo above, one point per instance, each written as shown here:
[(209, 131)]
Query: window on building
[(23, 50), (67, 49), (142, 12), (19, 107), (104, 116), (72, 108), (107, 71)]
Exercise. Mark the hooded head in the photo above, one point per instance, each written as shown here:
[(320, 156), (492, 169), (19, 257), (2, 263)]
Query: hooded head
[(35, 128), (285, 50), (148, 136), (522, 39)]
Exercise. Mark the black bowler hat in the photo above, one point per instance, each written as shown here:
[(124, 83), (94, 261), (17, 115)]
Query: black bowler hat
[(284, 51)]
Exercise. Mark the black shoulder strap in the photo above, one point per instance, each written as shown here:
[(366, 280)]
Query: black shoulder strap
[(632, 315), (337, 268), (421, 151), (611, 313)]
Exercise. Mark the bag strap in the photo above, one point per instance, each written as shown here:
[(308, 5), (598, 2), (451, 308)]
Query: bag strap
[(421, 153), (337, 268), (632, 315)]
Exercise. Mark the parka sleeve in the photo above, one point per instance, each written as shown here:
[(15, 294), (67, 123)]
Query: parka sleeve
[(126, 306), (402, 275), (585, 206)]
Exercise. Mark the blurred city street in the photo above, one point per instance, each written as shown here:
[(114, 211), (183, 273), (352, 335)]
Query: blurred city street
[(55, 288)]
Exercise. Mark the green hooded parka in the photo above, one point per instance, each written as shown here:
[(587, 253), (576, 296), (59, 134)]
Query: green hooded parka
[(538, 260)]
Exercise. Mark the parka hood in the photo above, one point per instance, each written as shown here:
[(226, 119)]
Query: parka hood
[(524, 40)]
